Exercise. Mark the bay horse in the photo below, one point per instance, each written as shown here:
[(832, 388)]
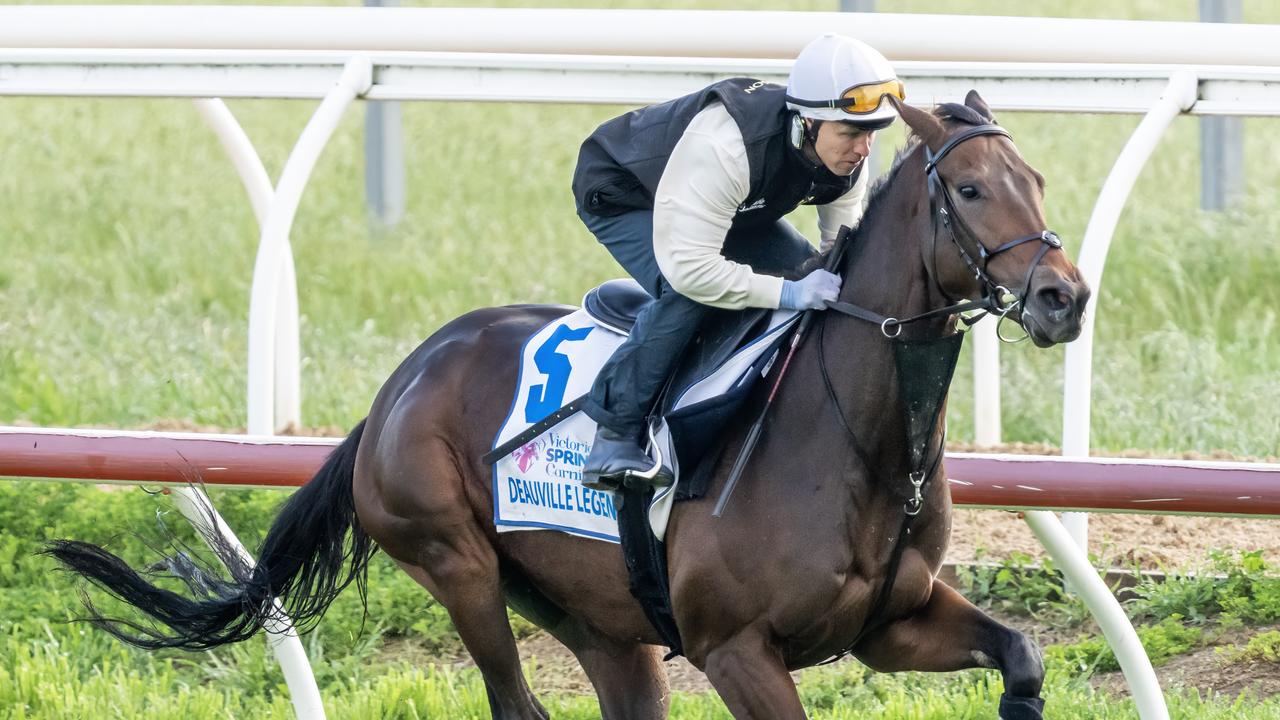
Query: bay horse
[(788, 577)]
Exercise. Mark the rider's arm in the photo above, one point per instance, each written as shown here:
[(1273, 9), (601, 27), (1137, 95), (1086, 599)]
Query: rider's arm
[(705, 181), (844, 210)]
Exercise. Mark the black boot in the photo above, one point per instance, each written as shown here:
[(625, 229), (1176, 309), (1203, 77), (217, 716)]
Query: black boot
[(1020, 708), (615, 458)]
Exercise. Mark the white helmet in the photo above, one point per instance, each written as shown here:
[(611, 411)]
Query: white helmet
[(838, 78)]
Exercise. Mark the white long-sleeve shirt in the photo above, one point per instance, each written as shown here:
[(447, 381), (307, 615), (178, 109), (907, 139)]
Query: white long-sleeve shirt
[(702, 187)]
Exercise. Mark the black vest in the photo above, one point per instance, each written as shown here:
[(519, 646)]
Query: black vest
[(620, 164)]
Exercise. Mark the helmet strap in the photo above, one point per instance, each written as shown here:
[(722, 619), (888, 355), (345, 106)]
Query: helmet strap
[(813, 132), (802, 132), (803, 137), (808, 146)]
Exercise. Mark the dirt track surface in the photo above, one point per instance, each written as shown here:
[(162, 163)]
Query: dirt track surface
[(1154, 542), (1207, 668)]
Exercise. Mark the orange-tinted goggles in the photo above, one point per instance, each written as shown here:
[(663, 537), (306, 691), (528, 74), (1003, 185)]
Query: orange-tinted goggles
[(860, 99)]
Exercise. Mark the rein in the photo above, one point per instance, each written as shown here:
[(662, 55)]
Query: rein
[(892, 326)]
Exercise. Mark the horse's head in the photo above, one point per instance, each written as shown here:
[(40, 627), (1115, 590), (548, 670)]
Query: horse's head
[(987, 212)]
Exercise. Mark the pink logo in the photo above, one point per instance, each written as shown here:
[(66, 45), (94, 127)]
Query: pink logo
[(526, 455)]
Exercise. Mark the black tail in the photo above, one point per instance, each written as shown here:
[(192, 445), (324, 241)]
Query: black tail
[(305, 561)]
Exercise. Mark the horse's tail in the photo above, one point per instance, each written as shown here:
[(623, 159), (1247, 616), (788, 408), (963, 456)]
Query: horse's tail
[(306, 560)]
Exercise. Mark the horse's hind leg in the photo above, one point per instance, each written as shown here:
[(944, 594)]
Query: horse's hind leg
[(475, 605), (410, 498), (629, 678), (949, 633)]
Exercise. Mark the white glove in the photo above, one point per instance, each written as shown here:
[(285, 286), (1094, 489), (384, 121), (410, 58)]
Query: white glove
[(812, 292)]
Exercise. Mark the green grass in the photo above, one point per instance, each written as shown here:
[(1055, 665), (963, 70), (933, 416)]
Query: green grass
[(1263, 647), (44, 678), (128, 248), (51, 668), (1162, 641)]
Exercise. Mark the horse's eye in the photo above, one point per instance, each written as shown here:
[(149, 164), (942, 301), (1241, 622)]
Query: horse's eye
[(969, 192)]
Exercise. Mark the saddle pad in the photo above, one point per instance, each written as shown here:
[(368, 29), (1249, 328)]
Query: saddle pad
[(539, 486)]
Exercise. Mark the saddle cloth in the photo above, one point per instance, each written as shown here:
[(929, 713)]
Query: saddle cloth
[(538, 486)]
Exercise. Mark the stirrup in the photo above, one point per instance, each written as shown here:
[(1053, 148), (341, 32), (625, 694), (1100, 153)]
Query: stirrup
[(604, 483), (654, 477)]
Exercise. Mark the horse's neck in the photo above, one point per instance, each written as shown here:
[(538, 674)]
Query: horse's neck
[(883, 269), (884, 272)]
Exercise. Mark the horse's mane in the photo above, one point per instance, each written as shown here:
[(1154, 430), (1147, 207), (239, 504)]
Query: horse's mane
[(962, 114)]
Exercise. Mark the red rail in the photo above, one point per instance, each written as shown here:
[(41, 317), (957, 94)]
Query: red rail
[(110, 455), (1002, 481), (1114, 484)]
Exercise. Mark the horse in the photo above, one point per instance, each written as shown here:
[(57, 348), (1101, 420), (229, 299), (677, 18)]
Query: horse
[(816, 556)]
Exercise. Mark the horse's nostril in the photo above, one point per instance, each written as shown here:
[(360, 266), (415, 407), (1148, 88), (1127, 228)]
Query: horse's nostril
[(1054, 299)]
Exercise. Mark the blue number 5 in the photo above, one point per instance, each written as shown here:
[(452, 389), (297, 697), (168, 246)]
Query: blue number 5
[(546, 399)]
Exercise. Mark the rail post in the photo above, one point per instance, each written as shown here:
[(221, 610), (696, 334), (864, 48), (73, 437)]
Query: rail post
[(1179, 95), (274, 254), (194, 505)]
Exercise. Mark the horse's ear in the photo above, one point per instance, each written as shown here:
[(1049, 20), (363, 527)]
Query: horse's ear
[(975, 101), (925, 126)]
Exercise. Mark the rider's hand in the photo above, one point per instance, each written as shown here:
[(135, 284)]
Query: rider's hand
[(812, 292)]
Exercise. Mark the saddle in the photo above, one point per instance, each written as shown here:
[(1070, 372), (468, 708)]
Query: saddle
[(707, 388), (732, 349), (616, 304)]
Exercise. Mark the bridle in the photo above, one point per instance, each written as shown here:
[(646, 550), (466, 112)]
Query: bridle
[(996, 298), (942, 209)]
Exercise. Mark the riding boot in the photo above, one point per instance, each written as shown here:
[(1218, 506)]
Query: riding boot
[(627, 389), (617, 457)]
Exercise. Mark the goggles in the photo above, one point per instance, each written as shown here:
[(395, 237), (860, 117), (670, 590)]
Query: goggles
[(859, 99)]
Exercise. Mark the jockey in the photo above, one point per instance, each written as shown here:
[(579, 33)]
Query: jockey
[(689, 196)]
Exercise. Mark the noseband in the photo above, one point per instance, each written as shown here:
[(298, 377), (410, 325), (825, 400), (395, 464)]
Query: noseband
[(942, 209)]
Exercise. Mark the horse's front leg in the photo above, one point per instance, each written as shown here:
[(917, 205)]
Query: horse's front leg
[(751, 678), (948, 634)]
